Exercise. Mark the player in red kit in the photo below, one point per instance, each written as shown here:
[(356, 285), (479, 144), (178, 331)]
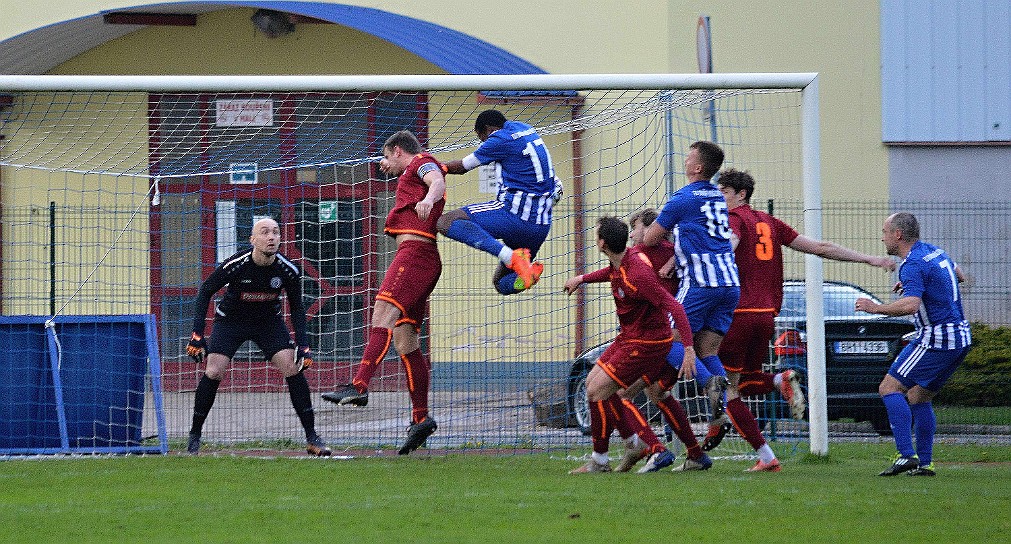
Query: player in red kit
[(758, 242), (409, 281), (645, 312)]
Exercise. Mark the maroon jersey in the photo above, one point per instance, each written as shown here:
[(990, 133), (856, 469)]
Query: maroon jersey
[(759, 257), (411, 189), (659, 255), (644, 306)]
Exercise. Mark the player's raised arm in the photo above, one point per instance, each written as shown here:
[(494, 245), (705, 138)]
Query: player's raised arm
[(436, 190)]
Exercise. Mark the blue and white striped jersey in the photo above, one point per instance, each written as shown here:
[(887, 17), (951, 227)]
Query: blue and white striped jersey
[(528, 176), (697, 215), (928, 273)]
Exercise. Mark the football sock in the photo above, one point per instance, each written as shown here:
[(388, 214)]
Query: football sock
[(625, 430), (633, 418), (745, 423), (777, 380), (298, 390), (900, 418), (925, 423), (506, 255), (714, 365), (601, 458), (470, 233), (375, 350), (418, 370), (756, 383), (206, 391), (676, 355), (600, 427), (765, 454), (677, 418)]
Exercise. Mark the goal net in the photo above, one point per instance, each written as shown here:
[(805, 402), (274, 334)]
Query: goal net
[(121, 194)]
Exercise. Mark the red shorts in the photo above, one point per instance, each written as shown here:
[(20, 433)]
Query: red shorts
[(625, 361), (410, 280), (745, 348)]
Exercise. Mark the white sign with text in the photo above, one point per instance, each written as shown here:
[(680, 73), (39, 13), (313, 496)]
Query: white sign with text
[(244, 112)]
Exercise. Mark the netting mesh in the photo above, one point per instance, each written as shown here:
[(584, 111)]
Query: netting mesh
[(123, 202)]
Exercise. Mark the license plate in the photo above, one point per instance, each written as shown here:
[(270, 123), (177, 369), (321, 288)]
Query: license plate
[(859, 347)]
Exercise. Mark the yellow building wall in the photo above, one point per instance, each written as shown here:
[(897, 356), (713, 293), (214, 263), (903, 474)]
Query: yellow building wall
[(840, 40), (564, 37)]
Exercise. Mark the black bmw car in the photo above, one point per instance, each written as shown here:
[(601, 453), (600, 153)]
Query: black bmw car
[(859, 348)]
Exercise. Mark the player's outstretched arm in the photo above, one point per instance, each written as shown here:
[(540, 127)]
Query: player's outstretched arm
[(900, 307), (462, 166), (836, 252), (572, 284)]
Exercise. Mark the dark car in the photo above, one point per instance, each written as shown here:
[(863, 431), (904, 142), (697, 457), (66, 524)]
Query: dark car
[(859, 348)]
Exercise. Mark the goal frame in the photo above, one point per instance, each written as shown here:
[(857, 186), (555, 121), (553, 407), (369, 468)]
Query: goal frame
[(805, 82)]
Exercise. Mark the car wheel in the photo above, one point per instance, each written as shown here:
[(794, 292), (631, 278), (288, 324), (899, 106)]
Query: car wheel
[(578, 405)]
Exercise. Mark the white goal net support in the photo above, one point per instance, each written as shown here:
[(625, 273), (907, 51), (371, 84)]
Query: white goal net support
[(121, 194)]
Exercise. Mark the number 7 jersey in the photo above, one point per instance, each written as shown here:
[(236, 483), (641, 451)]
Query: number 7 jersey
[(929, 273), (697, 215)]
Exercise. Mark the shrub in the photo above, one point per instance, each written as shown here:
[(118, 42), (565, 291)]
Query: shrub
[(982, 380)]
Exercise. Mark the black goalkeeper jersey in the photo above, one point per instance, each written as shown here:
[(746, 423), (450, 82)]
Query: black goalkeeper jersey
[(253, 292)]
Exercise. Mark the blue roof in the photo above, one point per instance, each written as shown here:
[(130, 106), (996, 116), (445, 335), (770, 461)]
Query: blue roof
[(453, 51)]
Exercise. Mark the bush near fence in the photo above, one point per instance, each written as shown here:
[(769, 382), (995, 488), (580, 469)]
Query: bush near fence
[(982, 380)]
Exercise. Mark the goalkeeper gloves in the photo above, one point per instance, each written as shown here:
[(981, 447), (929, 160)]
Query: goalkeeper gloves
[(197, 348), (303, 358)]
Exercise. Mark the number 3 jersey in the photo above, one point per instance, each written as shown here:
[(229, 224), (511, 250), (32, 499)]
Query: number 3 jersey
[(759, 257), (697, 215), (928, 273)]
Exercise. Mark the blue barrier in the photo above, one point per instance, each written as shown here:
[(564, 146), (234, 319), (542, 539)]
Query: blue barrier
[(78, 384)]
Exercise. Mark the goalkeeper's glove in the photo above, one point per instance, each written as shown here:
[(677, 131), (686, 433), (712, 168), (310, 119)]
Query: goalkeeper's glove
[(303, 358), (197, 348)]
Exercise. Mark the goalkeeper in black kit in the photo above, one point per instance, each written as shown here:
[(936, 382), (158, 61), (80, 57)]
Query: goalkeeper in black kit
[(251, 310)]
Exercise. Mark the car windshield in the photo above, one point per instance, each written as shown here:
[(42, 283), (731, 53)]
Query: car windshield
[(838, 301)]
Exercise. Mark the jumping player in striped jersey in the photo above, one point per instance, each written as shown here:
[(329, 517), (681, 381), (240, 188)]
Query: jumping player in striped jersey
[(410, 279), (520, 216), (250, 309), (928, 288), (704, 260)]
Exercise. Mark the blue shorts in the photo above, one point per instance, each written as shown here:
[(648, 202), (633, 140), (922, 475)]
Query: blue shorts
[(709, 307), (270, 335), (926, 367), (500, 223)]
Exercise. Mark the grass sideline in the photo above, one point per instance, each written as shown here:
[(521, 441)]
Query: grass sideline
[(516, 498)]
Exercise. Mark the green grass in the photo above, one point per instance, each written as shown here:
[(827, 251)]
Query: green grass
[(973, 415), (520, 498)]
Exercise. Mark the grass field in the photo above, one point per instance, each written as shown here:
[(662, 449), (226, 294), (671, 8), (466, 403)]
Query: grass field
[(516, 498)]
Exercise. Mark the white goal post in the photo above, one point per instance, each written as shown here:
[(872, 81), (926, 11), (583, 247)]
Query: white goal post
[(34, 142)]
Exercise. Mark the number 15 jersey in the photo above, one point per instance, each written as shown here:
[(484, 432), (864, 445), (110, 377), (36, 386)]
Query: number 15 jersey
[(697, 215)]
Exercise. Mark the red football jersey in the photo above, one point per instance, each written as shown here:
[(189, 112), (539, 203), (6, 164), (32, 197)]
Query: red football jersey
[(643, 304), (411, 189), (659, 255), (759, 257)]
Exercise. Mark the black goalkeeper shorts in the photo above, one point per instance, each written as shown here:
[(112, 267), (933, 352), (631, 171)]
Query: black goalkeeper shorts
[(270, 335)]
